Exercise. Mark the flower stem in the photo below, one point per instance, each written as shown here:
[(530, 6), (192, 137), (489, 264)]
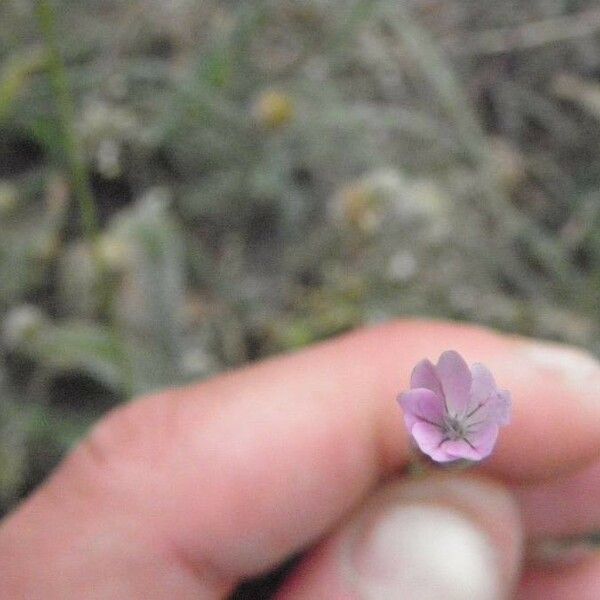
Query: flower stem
[(79, 176), (66, 117)]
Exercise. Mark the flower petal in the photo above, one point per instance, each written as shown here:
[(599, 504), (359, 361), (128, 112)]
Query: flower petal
[(494, 411), (440, 455), (429, 438), (424, 376), (484, 440), (461, 449), (483, 384), (421, 405), (502, 407), (455, 377)]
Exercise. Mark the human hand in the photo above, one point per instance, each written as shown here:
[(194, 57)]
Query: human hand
[(188, 492)]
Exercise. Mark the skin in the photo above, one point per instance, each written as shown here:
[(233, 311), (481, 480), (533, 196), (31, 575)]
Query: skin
[(186, 493)]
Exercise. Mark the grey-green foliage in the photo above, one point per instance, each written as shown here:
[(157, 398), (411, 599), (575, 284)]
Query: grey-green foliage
[(66, 346), (15, 76), (272, 172), (30, 233), (140, 347), (12, 443), (149, 300)]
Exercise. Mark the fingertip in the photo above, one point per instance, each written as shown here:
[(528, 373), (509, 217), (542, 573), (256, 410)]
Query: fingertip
[(427, 538), (555, 421)]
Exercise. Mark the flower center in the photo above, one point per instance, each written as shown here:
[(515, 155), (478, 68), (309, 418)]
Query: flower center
[(454, 428)]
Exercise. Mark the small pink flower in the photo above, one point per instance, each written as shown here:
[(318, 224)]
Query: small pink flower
[(452, 411)]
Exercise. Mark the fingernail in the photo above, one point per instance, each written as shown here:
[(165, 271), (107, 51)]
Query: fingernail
[(575, 367), (427, 550)]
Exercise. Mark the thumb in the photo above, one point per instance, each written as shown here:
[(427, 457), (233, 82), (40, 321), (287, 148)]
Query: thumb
[(440, 537)]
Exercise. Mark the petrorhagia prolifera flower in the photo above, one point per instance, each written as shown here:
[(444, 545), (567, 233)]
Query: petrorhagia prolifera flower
[(452, 411)]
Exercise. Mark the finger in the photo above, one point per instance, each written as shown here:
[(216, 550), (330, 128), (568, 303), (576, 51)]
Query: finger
[(548, 511), (440, 537), (550, 385), (247, 468), (284, 449), (569, 505), (580, 581)]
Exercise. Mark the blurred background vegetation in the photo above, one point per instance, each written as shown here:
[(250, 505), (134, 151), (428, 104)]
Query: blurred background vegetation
[(185, 187)]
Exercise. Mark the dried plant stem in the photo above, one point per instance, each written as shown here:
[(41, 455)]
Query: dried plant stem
[(512, 225), (529, 35)]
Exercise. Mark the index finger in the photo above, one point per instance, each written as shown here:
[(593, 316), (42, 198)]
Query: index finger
[(244, 469)]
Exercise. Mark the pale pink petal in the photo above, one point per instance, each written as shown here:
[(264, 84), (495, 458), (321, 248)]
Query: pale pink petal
[(424, 376), (455, 377), (429, 438), (461, 449), (502, 407), (440, 455), (483, 384), (426, 435), (421, 405), (485, 439), (495, 410), (488, 403)]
